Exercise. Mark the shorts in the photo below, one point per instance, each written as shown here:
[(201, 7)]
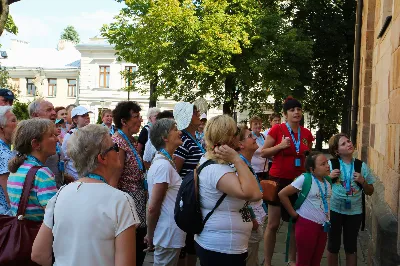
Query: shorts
[(166, 256), (351, 225), (282, 183), (189, 247)]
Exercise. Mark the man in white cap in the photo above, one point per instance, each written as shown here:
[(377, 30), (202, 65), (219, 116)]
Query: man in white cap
[(186, 158), (80, 118)]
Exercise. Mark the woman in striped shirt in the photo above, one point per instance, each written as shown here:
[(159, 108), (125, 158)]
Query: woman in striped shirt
[(35, 141)]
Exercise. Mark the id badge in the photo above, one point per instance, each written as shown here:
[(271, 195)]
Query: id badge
[(297, 162), (61, 166), (347, 204), (327, 227)]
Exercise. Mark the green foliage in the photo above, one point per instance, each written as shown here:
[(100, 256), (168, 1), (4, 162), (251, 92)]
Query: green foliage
[(10, 25), (4, 78), (328, 75), (229, 50), (70, 34), (21, 110)]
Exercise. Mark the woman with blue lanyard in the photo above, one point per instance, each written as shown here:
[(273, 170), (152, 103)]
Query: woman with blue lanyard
[(8, 122), (164, 183), (106, 117), (127, 120), (100, 219), (186, 158), (258, 210), (260, 164), (313, 219), (287, 143)]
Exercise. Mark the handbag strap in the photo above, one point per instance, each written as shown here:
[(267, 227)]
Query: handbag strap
[(28, 185)]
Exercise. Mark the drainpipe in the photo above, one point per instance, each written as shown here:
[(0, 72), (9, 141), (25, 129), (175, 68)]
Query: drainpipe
[(77, 89), (356, 71)]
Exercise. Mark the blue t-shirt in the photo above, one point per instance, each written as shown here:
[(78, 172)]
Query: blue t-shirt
[(339, 194), (5, 155)]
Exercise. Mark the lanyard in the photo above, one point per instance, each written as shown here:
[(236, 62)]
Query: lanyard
[(258, 180), (34, 159), (259, 139), (112, 130), (324, 197), (296, 143), (199, 135), (195, 141), (58, 149), (139, 161), (347, 177), (168, 156), (97, 177), (5, 144)]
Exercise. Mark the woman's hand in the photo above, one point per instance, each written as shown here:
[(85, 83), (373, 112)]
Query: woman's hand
[(227, 154), (285, 143), (335, 173)]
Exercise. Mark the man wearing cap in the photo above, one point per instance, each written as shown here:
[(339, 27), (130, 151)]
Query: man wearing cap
[(80, 118), (6, 97)]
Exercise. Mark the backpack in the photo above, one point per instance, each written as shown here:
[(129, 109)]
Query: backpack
[(357, 168), (187, 211), (305, 190)]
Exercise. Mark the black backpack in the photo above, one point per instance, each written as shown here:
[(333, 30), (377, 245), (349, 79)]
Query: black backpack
[(187, 212), (357, 168)]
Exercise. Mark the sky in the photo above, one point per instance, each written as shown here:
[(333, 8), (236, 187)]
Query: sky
[(40, 22)]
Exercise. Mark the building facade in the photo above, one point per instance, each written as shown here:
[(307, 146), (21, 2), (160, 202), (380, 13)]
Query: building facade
[(378, 139)]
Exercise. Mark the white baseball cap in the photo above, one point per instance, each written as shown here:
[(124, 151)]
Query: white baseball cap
[(79, 110), (183, 113)]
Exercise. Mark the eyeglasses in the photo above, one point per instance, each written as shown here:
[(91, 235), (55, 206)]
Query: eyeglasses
[(251, 136), (113, 147)]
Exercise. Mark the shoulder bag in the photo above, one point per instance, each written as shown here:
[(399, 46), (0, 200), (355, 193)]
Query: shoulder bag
[(16, 233)]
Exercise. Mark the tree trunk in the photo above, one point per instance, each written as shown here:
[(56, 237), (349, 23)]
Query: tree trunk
[(230, 95), (4, 10), (153, 89), (318, 140)]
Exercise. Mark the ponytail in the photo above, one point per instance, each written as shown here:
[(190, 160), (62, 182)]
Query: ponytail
[(15, 162)]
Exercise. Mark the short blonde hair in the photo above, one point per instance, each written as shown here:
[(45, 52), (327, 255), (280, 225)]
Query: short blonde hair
[(219, 130), (84, 145)]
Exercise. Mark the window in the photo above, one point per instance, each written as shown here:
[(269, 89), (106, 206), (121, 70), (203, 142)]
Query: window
[(104, 77), (52, 87), (30, 87), (130, 69), (71, 88), (15, 85)]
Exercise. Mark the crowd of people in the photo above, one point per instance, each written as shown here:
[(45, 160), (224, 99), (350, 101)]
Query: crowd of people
[(105, 197)]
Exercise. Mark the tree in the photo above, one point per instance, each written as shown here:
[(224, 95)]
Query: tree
[(70, 34), (230, 50), (330, 24), (5, 17)]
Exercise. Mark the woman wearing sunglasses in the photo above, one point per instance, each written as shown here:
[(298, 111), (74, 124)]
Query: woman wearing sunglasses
[(100, 219)]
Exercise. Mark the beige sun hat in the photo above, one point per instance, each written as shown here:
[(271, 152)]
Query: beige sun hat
[(183, 112)]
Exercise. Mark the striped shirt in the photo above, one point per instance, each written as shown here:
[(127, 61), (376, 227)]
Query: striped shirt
[(43, 190), (190, 152)]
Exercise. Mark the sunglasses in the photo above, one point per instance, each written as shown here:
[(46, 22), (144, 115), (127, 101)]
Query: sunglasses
[(113, 147)]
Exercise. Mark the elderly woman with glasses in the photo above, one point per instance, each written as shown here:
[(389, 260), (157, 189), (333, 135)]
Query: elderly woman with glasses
[(100, 219), (127, 120), (8, 122), (164, 182)]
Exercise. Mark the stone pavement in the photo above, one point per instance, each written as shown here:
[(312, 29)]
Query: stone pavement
[(279, 256)]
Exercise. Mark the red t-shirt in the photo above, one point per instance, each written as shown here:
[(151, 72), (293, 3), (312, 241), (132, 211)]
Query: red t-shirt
[(283, 165)]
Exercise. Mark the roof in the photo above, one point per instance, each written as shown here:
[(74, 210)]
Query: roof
[(95, 43), (46, 58)]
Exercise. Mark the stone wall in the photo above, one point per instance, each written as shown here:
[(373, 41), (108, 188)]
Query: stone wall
[(379, 126)]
